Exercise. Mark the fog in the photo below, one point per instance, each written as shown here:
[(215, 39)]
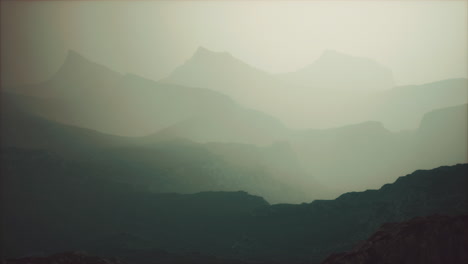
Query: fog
[(280, 99), (420, 41), (234, 132)]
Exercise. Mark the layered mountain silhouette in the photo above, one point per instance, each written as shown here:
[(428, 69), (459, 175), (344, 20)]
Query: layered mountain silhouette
[(298, 105), (344, 89), (402, 107), (337, 71), (447, 130), (354, 216), (234, 125), (307, 165), (196, 168), (222, 72), (22, 129), (161, 165), (433, 239), (345, 156), (61, 210), (85, 94)]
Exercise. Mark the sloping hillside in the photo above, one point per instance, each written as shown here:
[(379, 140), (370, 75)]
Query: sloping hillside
[(435, 239), (59, 211)]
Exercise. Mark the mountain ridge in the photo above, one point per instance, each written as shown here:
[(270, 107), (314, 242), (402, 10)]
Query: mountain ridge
[(87, 94), (433, 239), (355, 72), (233, 225)]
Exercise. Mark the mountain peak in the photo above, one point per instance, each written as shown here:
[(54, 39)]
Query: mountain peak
[(73, 58), (340, 71), (220, 71), (203, 52), (202, 49), (213, 69), (77, 66), (72, 54)]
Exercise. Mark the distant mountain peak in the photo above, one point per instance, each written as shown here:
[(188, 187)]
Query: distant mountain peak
[(203, 52), (74, 55), (338, 70), (217, 71), (76, 66), (73, 60), (202, 49)]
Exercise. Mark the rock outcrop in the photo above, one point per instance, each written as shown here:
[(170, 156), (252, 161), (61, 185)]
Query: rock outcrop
[(435, 239)]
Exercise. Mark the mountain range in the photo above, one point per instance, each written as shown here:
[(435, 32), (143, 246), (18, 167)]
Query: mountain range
[(206, 165), (85, 94), (163, 165), (337, 71), (199, 91), (340, 157), (55, 205), (335, 90), (319, 163), (436, 239)]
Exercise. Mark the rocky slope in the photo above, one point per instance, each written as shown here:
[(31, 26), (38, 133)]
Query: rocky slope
[(56, 212), (435, 239)]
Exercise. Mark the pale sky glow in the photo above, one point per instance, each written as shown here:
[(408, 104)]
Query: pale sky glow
[(420, 41)]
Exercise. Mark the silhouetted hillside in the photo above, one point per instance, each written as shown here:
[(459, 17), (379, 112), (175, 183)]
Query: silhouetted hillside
[(446, 129), (365, 155), (60, 211), (402, 108), (23, 129), (89, 95), (55, 205), (318, 163), (335, 90), (310, 231), (163, 165), (354, 73), (235, 126), (86, 94), (434, 239), (233, 133), (222, 72)]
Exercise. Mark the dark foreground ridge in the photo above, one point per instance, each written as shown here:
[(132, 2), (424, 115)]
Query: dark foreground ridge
[(72, 257), (58, 208), (435, 239), (151, 257)]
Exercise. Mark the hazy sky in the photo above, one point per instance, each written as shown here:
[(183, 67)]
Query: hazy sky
[(421, 41)]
